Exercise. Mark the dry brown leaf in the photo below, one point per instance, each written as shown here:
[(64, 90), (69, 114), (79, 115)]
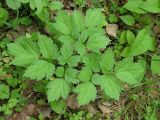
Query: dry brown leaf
[(156, 29), (28, 110), (105, 110), (91, 109), (71, 102), (32, 110), (45, 111), (111, 29)]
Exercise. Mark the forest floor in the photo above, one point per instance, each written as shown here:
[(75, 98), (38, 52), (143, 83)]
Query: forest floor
[(22, 99)]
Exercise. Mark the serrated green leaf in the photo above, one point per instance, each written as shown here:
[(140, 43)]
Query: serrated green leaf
[(24, 50), (97, 42), (110, 85), (128, 19), (83, 36), (66, 53), (63, 22), (66, 39), (91, 61), (95, 18), (24, 1), (73, 60), (59, 71), (107, 61), (80, 48), (40, 69), (58, 106), (129, 72), (48, 49), (155, 64), (4, 91), (12, 103), (50, 27), (32, 4), (85, 74), (44, 15), (86, 93), (38, 4), (56, 89), (55, 5), (91, 31), (13, 4), (62, 60), (77, 21), (71, 75), (68, 57), (96, 79)]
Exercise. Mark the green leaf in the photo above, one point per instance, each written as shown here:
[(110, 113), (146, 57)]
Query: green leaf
[(56, 89), (113, 18), (110, 85), (96, 79), (13, 4), (4, 91), (58, 106), (77, 21), (130, 37), (86, 93), (85, 74), (95, 18), (3, 16), (123, 38), (32, 4), (66, 39), (129, 72), (73, 60), (39, 70), (12, 103), (155, 64), (24, 1), (83, 36), (55, 5), (38, 4), (143, 42), (135, 6), (152, 6), (97, 42), (68, 57), (66, 53), (63, 22), (107, 61), (71, 75), (91, 60), (50, 27), (59, 71), (24, 50), (91, 31), (128, 19), (48, 49), (44, 15), (80, 48)]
